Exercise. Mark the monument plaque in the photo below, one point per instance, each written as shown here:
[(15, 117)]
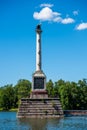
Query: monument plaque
[(39, 83)]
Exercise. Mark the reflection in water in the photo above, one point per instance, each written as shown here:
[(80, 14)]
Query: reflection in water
[(67, 123), (34, 124), (39, 124), (8, 121)]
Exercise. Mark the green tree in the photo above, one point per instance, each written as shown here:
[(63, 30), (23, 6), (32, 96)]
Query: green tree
[(7, 97), (1, 89), (57, 85), (74, 101), (82, 84), (49, 88), (65, 95), (23, 88)]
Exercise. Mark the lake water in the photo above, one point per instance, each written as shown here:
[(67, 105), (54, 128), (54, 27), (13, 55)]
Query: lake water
[(8, 121)]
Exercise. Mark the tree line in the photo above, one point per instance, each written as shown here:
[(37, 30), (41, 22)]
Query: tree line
[(73, 96)]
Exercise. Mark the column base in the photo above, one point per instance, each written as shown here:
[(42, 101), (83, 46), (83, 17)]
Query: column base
[(37, 94)]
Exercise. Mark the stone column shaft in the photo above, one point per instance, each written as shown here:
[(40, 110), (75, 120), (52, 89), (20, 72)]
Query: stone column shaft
[(38, 50)]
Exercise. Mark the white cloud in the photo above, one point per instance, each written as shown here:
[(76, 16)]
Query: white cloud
[(46, 14), (81, 26), (75, 12), (57, 19), (67, 20), (46, 5)]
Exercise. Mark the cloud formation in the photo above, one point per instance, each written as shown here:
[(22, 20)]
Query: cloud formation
[(76, 12), (81, 26), (46, 5), (47, 14), (67, 20)]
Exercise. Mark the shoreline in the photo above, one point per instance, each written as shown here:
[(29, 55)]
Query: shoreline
[(10, 110), (75, 112)]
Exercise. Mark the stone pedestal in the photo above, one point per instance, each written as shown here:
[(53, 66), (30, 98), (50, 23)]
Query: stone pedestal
[(39, 86), (39, 95), (40, 108), (39, 81)]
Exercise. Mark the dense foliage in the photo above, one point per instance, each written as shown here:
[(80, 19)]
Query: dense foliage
[(11, 95), (73, 96)]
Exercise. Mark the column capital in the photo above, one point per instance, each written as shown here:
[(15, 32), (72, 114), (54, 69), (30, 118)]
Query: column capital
[(38, 29)]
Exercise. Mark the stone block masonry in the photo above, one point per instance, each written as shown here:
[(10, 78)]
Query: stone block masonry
[(41, 108)]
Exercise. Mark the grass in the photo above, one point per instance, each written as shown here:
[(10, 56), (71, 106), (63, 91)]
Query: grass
[(1, 109), (13, 110), (10, 110)]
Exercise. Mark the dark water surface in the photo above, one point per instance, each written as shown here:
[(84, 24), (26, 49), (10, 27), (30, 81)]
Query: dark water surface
[(8, 121)]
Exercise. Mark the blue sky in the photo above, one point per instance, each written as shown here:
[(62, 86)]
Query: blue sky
[(64, 39)]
